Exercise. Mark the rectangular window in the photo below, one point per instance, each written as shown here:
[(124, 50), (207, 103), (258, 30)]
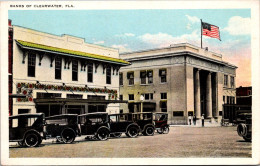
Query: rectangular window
[(177, 113), (143, 77), (163, 105), (74, 70), (232, 82), (151, 96), (163, 75), (120, 78), (130, 77), (163, 95), (90, 72), (94, 97), (58, 64), (150, 76), (108, 75), (48, 95), (74, 96), (131, 97), (121, 97), (225, 80), (228, 99), (31, 64), (146, 96)]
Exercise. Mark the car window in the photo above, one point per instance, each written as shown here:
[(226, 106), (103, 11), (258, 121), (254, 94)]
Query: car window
[(113, 118), (147, 116), (57, 121), (123, 118)]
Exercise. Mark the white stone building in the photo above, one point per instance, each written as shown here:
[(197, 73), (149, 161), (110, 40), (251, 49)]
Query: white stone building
[(181, 79), (61, 74)]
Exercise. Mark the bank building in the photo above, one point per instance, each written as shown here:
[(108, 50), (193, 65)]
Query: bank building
[(181, 79), (61, 74)]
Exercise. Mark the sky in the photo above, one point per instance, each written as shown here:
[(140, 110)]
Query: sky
[(132, 30)]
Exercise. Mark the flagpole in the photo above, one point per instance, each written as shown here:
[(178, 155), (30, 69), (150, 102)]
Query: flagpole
[(201, 31)]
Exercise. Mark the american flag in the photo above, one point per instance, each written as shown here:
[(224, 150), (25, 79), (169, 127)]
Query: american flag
[(210, 30)]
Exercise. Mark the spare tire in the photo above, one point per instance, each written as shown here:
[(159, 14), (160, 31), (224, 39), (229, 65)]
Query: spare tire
[(242, 129)]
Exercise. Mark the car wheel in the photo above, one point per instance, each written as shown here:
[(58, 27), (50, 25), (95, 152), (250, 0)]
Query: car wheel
[(127, 134), (102, 135), (133, 132), (31, 140), (241, 129), (149, 131), (166, 130), (247, 138), (68, 136), (116, 135)]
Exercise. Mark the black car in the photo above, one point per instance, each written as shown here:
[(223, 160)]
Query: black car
[(161, 120), (27, 129), (145, 121), (64, 127), (123, 123), (245, 129), (95, 124)]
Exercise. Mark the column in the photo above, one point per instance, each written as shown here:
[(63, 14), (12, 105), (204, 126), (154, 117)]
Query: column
[(197, 94), (209, 96)]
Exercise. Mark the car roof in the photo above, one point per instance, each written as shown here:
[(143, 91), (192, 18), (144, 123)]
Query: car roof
[(61, 115), (95, 113), (27, 114), (120, 114), (143, 113)]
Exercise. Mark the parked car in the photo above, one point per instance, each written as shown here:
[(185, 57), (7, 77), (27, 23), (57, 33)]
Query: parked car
[(64, 127), (161, 120), (241, 118), (123, 123), (95, 124), (145, 121), (245, 129), (27, 129)]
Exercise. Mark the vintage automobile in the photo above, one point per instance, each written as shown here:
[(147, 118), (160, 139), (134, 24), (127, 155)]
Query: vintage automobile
[(27, 129), (123, 123), (95, 124), (145, 121), (63, 127), (160, 120), (245, 129)]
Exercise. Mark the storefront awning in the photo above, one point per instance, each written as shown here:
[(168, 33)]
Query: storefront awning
[(66, 100)]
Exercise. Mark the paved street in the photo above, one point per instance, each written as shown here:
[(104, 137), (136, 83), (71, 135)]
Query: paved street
[(182, 141)]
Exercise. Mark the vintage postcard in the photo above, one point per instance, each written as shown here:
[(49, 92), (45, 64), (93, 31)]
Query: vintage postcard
[(129, 82)]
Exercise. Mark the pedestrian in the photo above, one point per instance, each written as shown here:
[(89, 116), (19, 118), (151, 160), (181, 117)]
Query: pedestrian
[(194, 120), (189, 119), (202, 120)]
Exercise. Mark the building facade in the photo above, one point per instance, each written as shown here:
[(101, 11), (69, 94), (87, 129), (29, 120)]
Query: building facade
[(61, 74), (181, 80)]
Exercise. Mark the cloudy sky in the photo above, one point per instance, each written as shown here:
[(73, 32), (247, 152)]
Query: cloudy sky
[(132, 30)]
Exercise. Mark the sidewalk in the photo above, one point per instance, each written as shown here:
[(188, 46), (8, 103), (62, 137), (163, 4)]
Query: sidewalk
[(206, 124)]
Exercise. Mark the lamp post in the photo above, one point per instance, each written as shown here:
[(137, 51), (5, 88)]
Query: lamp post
[(141, 99)]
